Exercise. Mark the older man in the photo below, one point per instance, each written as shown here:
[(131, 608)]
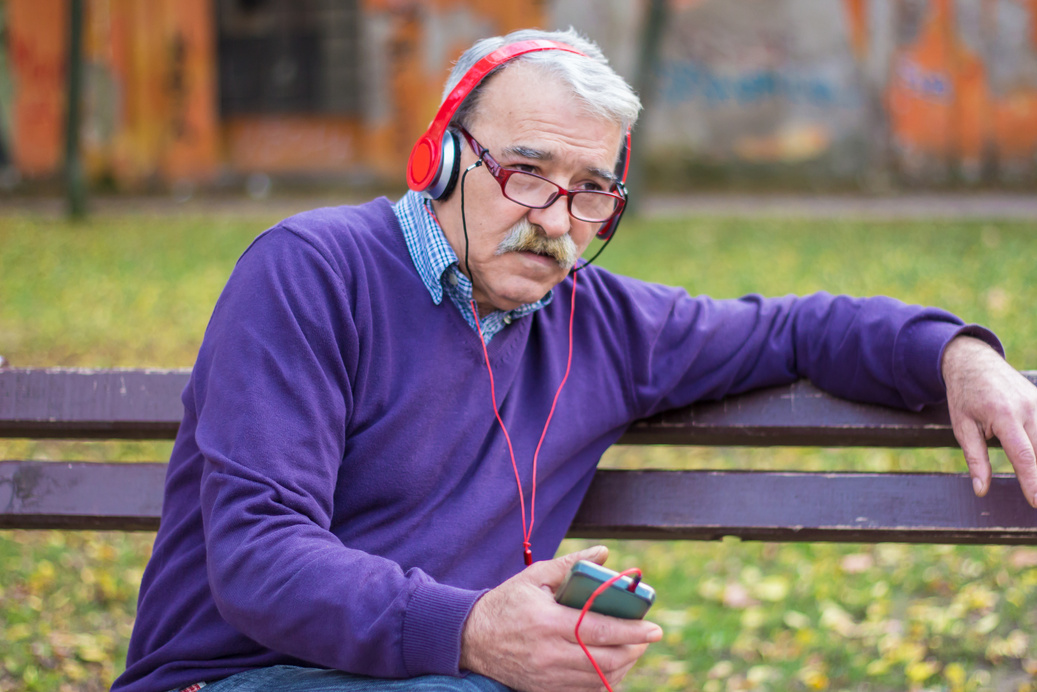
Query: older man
[(376, 434)]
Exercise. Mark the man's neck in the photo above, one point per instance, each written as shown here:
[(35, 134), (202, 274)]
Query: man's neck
[(484, 309)]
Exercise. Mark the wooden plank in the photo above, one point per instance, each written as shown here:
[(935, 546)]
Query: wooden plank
[(692, 505), (145, 404), (81, 495), (797, 415), (91, 404), (777, 506)]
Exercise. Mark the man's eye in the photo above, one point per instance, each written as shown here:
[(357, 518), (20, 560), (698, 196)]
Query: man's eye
[(590, 185)]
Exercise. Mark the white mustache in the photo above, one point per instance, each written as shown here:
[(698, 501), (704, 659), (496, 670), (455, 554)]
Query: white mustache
[(524, 237)]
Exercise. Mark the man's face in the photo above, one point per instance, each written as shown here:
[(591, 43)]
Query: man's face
[(530, 122)]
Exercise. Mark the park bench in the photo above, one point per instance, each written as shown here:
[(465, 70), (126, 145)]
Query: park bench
[(650, 504)]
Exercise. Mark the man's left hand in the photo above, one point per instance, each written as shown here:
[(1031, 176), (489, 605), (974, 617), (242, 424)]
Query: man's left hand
[(987, 397)]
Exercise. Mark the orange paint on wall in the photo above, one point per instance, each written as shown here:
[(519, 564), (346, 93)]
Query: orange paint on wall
[(857, 18), (1015, 126), (190, 78), (165, 66), (37, 35), (940, 103), (150, 105), (292, 144), (1033, 20), (938, 91), (149, 88)]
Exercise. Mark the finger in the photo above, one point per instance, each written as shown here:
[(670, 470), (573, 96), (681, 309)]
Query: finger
[(550, 573), (974, 447), (618, 676), (1030, 427), (602, 630), (596, 554), (614, 661), (1030, 430), (1019, 448)]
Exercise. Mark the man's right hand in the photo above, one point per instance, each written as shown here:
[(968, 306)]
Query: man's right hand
[(517, 633)]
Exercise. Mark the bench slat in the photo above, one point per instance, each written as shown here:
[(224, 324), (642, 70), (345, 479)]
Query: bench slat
[(81, 495), (699, 505), (145, 404), (91, 404), (780, 506)]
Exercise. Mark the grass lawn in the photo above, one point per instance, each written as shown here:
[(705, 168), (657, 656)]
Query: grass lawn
[(137, 290)]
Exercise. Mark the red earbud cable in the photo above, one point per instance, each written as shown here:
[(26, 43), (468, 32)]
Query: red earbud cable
[(587, 606), (527, 530)]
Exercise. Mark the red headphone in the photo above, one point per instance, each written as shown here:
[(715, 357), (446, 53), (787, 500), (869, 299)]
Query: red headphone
[(435, 160)]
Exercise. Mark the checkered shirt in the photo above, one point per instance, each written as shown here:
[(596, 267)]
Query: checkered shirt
[(438, 267)]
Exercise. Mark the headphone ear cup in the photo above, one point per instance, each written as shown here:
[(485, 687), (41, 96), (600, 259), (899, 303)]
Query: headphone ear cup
[(622, 167), (610, 226), (449, 167)]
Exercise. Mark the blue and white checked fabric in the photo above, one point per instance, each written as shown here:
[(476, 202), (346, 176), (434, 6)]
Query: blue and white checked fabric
[(438, 267)]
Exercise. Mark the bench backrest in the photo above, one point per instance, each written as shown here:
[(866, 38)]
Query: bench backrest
[(145, 404)]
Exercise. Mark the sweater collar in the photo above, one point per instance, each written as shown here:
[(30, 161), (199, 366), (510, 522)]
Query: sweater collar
[(437, 264)]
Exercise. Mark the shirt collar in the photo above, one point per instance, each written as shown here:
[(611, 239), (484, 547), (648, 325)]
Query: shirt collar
[(428, 246), (435, 259)]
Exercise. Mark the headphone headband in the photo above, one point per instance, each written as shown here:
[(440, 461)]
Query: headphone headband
[(435, 160), (426, 158)]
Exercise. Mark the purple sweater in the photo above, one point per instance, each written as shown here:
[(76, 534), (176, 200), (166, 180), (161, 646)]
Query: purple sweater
[(340, 494)]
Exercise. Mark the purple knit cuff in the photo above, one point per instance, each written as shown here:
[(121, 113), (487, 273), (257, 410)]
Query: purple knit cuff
[(432, 627), (918, 370)]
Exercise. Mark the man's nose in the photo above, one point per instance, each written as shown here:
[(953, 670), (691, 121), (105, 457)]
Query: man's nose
[(553, 219)]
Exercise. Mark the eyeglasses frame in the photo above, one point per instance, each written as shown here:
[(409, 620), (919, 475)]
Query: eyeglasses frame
[(502, 174)]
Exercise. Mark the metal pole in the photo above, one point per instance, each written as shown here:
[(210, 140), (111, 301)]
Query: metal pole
[(645, 84), (75, 184)]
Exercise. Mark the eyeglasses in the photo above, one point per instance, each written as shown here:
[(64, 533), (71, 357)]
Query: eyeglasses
[(537, 192)]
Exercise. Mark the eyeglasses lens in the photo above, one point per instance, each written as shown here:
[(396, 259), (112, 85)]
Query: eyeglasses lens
[(529, 189), (533, 191), (594, 206)]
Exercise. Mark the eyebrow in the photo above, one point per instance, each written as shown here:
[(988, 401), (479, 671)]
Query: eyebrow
[(541, 155)]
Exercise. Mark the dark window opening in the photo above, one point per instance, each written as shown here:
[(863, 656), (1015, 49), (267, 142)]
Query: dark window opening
[(289, 56)]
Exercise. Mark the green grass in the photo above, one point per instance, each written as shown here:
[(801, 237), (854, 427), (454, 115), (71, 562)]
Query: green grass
[(137, 290)]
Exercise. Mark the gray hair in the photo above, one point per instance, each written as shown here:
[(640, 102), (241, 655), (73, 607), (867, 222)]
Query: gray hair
[(593, 82)]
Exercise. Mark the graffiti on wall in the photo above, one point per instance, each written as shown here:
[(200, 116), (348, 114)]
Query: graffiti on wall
[(751, 81), (148, 97), (38, 75), (932, 89), (184, 90), (961, 93), (691, 81)]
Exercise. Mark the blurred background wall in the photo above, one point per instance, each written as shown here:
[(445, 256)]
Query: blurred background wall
[(790, 93)]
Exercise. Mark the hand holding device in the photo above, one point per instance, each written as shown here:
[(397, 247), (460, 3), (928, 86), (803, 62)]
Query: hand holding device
[(589, 586), (517, 634)]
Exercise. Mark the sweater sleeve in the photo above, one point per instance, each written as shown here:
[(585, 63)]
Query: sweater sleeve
[(874, 350), (273, 399)]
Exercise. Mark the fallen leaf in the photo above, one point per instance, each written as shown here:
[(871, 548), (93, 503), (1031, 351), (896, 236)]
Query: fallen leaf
[(737, 596), (1021, 558), (855, 563)]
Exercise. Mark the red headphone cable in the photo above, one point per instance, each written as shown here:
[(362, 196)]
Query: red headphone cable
[(527, 531), (587, 606)]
